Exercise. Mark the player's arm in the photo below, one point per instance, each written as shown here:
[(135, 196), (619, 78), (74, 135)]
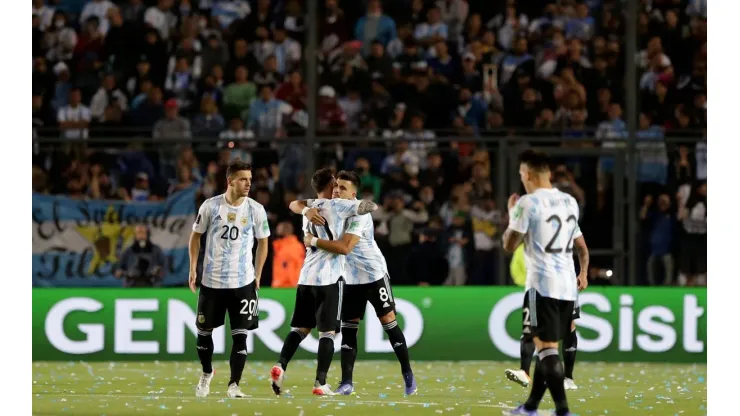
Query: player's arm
[(518, 223), (346, 208), (581, 249), (199, 228), (303, 207), (261, 233), (343, 246)]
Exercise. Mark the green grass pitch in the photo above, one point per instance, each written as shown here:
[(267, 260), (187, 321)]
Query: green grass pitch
[(445, 388)]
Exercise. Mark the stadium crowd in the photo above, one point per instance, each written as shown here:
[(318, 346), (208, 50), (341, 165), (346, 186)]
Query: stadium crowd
[(395, 76)]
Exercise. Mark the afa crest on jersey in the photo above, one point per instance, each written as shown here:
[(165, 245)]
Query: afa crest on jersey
[(231, 216)]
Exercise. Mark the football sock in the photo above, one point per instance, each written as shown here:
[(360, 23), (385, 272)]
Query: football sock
[(238, 354), (570, 347), (539, 387), (349, 349), (398, 342), (326, 351), (552, 368), (290, 346), (205, 349), (526, 351)]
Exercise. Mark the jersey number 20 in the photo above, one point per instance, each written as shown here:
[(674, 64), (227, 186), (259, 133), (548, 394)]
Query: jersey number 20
[(230, 233), (569, 248)]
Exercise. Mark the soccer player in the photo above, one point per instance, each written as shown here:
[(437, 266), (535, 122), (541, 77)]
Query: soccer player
[(526, 349), (547, 220), (318, 300), (230, 282), (366, 280)]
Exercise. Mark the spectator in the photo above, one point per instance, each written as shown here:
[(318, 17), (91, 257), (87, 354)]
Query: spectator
[(427, 264), (582, 26), (240, 95), (208, 123), (444, 66), (155, 51), (375, 25), (258, 20), (142, 264), (89, 53), (101, 185), (471, 111), (238, 141), (692, 213), (60, 39), (99, 9), (659, 226), (140, 192), (454, 14), (182, 84), (44, 13), (269, 74), (397, 222), (334, 30), (184, 180), (189, 48), (653, 156), (151, 110), (331, 118), (161, 18), (107, 95), (433, 31), (486, 220), (417, 131), (293, 91), (288, 255), (267, 114), (118, 51), (62, 86), (133, 11), (378, 61), (215, 53), (287, 51), (367, 179), (143, 72), (352, 107), (242, 57), (213, 86), (74, 118), (458, 238), (172, 126)]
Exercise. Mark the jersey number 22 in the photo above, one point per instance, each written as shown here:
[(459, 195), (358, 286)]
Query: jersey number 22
[(569, 247)]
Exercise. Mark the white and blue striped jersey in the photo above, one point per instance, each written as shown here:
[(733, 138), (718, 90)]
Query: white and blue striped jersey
[(365, 263), (549, 220), (230, 233), (322, 268)]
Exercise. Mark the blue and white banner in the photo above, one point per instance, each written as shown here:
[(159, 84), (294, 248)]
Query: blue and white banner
[(78, 243)]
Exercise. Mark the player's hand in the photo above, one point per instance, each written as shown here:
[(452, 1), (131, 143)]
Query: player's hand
[(582, 281), (307, 239), (512, 200), (314, 217), (191, 280)]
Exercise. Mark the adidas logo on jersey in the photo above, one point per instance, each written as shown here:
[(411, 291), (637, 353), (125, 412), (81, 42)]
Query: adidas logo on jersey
[(218, 218), (386, 304)]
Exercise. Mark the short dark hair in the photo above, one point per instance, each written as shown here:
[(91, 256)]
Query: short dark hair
[(348, 175), (321, 179), (236, 165), (535, 160)]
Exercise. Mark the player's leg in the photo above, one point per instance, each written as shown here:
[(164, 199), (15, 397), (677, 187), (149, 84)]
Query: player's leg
[(380, 296), (243, 315), (328, 318), (353, 311), (303, 320), (526, 349), (210, 314), (570, 348)]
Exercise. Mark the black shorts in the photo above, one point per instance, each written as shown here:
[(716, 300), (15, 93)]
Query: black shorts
[(318, 307), (546, 318), (378, 293), (241, 303), (576, 310)]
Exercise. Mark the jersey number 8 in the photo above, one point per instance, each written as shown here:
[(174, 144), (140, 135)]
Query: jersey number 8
[(230, 232), (384, 295), (569, 247)]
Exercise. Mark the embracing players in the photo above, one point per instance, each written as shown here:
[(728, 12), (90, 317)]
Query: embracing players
[(547, 221), (367, 280), (319, 294), (231, 222)]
